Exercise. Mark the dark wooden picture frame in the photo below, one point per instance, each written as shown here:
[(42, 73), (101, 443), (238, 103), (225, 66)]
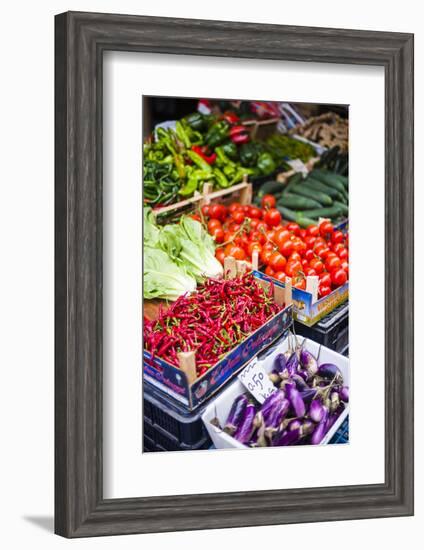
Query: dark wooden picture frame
[(81, 39)]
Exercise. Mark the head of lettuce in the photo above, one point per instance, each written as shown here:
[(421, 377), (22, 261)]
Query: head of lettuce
[(175, 257)]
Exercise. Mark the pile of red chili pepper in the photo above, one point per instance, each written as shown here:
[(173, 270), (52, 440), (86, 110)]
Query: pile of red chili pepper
[(211, 321)]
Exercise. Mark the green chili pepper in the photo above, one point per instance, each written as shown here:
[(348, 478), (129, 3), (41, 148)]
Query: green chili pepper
[(190, 186), (182, 134), (223, 159), (221, 178), (199, 161), (179, 163), (217, 134)]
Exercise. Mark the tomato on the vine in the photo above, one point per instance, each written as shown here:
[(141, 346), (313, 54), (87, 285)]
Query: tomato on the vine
[(326, 228), (293, 227), (238, 216), (268, 201), (205, 210), (213, 223), (218, 234), (255, 212), (252, 245), (234, 206), (310, 240), (293, 268), (281, 236), (269, 271), (220, 255), (277, 261), (332, 263), (235, 251), (338, 277), (323, 290), (317, 265), (272, 217), (286, 248)]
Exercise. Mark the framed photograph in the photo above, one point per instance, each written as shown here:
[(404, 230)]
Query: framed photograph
[(233, 274)]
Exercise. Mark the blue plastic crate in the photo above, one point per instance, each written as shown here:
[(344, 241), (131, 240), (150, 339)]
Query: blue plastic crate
[(342, 434)]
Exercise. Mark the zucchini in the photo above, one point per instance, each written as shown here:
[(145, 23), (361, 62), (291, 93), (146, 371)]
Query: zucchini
[(306, 191), (324, 188), (297, 202), (269, 187), (331, 212)]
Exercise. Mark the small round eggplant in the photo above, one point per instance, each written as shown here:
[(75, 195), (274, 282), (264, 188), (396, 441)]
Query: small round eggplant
[(307, 427), (308, 362), (330, 372), (246, 427), (316, 410), (344, 394), (286, 437), (236, 414), (296, 400), (308, 395), (280, 362)]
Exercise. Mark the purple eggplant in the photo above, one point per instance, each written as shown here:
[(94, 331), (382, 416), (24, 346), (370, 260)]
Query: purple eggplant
[(236, 414), (331, 420), (301, 385), (296, 400), (330, 372), (344, 394), (246, 426), (303, 374), (307, 427), (308, 395), (295, 424), (274, 377), (320, 430), (277, 414), (270, 401), (292, 364), (308, 362), (286, 437), (316, 411), (280, 362)]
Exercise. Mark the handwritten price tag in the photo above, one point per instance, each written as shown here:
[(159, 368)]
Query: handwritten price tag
[(256, 380), (298, 166)]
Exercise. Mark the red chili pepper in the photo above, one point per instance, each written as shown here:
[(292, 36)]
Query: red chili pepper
[(237, 130), (240, 138), (201, 151), (230, 117)]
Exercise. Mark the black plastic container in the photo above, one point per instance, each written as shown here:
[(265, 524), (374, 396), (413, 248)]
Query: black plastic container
[(168, 427), (332, 331)]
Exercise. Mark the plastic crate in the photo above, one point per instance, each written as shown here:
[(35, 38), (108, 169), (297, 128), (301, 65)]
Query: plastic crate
[(168, 427), (332, 331), (342, 434)]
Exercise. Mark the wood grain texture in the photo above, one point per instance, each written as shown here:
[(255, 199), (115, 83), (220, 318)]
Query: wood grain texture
[(81, 39)]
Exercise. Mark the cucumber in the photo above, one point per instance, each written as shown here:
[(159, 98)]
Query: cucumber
[(297, 202), (331, 212), (287, 214), (305, 222), (294, 180), (329, 178), (343, 208), (306, 191), (324, 188), (269, 187)]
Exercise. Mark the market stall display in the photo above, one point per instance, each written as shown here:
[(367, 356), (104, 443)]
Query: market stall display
[(328, 129)]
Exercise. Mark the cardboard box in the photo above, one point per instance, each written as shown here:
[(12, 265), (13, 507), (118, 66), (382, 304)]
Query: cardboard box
[(174, 381)]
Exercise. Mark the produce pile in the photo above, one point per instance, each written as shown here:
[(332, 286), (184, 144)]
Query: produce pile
[(284, 251), (176, 257), (211, 321), (328, 130), (307, 402), (322, 194), (208, 148)]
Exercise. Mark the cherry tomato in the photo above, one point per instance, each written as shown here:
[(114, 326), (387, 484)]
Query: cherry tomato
[(234, 206), (323, 290), (293, 267), (257, 236), (293, 227), (303, 234), (317, 264), (337, 237), (205, 210), (254, 223), (345, 266), (309, 272), (277, 261), (255, 212), (300, 283), (304, 263), (325, 279), (235, 251), (262, 227), (325, 253), (220, 255), (269, 271), (295, 256), (343, 254), (272, 217), (309, 240), (309, 254), (281, 236), (326, 228), (218, 234), (268, 201), (332, 263), (286, 248), (338, 277), (217, 211), (270, 235), (313, 230), (337, 247), (213, 224), (238, 216), (299, 246), (320, 249)]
